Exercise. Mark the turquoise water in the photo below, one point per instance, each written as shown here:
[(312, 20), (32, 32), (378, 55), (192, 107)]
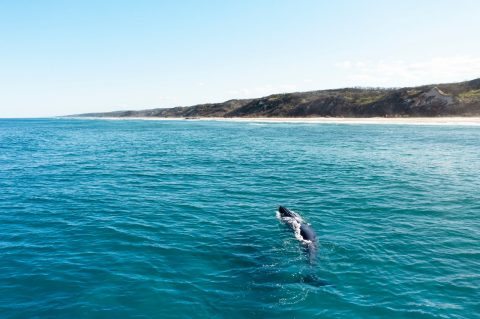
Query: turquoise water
[(159, 219)]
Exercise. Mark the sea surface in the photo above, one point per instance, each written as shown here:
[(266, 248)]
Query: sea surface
[(177, 219)]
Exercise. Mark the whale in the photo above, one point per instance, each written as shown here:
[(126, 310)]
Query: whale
[(307, 236), (303, 231)]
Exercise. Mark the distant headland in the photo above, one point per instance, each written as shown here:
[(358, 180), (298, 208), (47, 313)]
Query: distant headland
[(438, 100)]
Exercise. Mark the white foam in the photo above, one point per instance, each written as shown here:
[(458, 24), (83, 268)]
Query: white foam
[(457, 121)]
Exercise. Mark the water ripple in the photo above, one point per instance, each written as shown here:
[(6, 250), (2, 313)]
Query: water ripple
[(177, 219)]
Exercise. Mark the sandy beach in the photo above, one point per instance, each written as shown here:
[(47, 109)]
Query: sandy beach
[(474, 121)]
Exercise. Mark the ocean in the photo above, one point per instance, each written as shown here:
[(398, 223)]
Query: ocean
[(177, 219)]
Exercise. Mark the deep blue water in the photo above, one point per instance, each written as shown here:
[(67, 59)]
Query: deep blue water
[(159, 219)]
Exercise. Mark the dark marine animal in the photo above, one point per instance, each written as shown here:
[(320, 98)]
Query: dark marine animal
[(303, 231), (307, 236)]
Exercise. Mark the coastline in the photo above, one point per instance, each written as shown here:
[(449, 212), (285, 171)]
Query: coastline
[(473, 121)]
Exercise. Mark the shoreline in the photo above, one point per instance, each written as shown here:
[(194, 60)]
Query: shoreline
[(474, 121)]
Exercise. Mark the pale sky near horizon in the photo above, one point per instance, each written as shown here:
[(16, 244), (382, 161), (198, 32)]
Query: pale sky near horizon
[(68, 57)]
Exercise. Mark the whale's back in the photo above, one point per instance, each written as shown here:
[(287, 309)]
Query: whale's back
[(307, 232)]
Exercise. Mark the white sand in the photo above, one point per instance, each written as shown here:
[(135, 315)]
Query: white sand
[(475, 121)]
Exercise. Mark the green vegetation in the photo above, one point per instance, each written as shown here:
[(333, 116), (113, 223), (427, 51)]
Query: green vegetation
[(362, 98), (470, 96), (369, 99), (413, 92)]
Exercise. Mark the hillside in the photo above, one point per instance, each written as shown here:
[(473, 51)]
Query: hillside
[(452, 99)]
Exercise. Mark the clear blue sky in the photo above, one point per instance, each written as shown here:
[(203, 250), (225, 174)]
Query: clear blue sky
[(64, 57)]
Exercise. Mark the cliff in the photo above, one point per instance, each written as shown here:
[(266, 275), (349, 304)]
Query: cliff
[(452, 99)]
